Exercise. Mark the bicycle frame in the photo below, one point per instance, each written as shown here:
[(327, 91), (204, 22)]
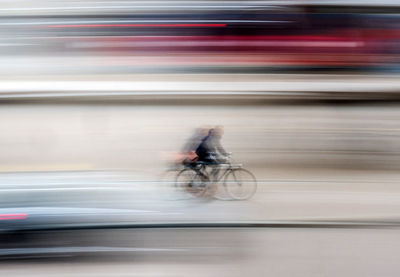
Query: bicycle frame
[(218, 171)]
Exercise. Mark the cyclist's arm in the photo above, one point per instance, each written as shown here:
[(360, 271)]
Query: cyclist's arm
[(220, 149)]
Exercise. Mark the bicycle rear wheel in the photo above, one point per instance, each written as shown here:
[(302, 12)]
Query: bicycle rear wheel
[(240, 184), (191, 182)]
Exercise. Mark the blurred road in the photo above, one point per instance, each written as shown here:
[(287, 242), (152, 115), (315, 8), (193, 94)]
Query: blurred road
[(227, 252), (312, 161), (101, 162), (103, 197)]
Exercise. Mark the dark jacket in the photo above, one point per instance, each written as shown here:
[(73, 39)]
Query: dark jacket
[(211, 144)]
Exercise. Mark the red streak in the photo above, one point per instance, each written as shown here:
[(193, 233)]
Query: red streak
[(134, 25), (13, 216)]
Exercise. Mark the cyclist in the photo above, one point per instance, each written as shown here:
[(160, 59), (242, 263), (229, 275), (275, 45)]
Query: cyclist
[(210, 149)]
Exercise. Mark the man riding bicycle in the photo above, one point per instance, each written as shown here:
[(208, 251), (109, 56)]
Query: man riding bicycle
[(211, 170), (210, 150)]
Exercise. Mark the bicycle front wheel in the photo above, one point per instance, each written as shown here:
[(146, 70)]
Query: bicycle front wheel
[(191, 182), (240, 184)]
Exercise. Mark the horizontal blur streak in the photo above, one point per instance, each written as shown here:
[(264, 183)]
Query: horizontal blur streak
[(191, 35), (134, 25), (12, 216)]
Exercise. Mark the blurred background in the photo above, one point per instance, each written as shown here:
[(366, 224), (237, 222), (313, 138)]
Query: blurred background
[(98, 98)]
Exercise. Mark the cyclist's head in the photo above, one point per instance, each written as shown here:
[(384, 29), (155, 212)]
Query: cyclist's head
[(219, 130)]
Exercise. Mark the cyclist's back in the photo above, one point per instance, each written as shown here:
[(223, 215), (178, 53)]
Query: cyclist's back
[(210, 147), (203, 150)]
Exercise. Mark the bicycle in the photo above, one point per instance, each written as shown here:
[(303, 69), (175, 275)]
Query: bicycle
[(224, 181)]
